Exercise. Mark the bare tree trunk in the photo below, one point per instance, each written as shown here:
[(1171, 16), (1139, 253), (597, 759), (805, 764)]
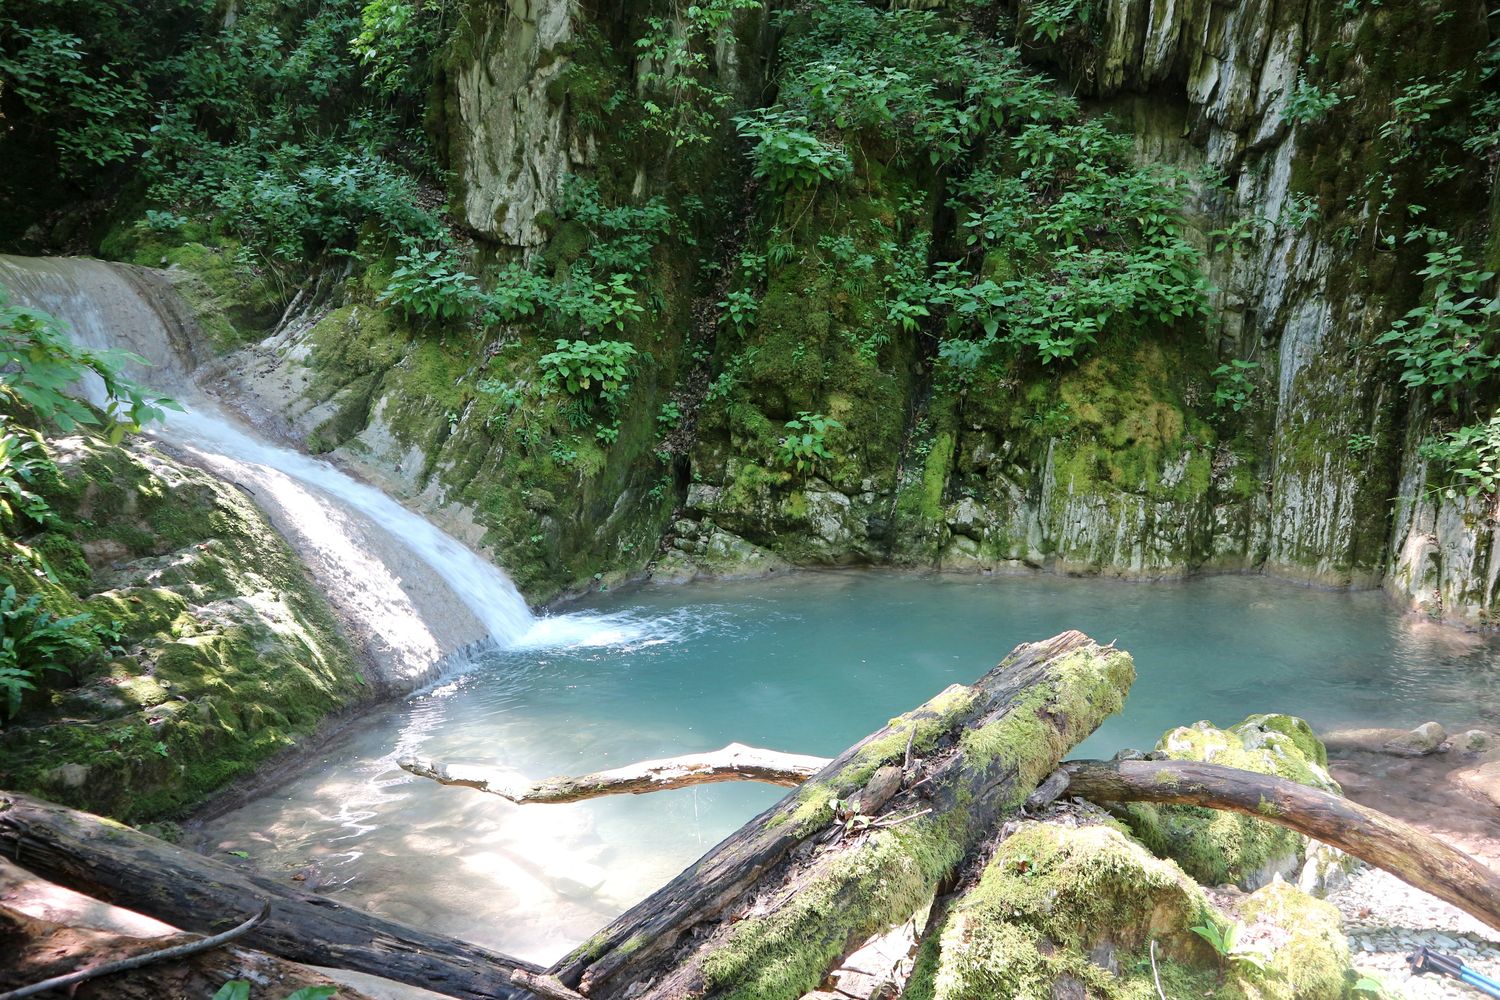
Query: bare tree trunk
[(1371, 836), (736, 762)]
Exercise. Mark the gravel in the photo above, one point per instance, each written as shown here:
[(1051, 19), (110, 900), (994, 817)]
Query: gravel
[(1386, 920)]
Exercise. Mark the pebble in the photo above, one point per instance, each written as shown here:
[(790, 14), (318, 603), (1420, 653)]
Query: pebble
[(1386, 920)]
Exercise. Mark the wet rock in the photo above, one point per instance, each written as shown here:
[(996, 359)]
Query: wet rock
[(1482, 781), (1425, 739), (1369, 740), (1471, 741)]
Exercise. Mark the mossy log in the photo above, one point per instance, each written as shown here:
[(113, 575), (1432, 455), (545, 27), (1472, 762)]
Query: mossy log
[(735, 762), (114, 863), (861, 846), (1371, 836)]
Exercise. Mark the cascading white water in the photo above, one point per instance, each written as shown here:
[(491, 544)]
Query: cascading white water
[(416, 591)]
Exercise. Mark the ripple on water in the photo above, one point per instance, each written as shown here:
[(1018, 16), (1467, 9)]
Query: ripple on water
[(808, 663)]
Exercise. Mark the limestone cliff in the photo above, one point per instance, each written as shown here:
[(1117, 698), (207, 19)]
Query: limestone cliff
[(1311, 155)]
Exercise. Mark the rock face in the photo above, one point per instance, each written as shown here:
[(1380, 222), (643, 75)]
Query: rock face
[(512, 144), (1121, 464), (221, 654)]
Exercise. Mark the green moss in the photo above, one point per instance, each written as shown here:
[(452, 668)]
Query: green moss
[(1219, 847), (223, 651), (1047, 898), (1309, 953), (887, 880)]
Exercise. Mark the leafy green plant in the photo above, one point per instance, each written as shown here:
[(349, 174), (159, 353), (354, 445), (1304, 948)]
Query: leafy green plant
[(1470, 455), (738, 309), (430, 286), (42, 369), (390, 32), (683, 100), (806, 444), (1226, 944), (1444, 344), (577, 366), (1235, 386), (669, 416), (32, 640), (1051, 19), (23, 460), (1360, 444), (1308, 103), (788, 154)]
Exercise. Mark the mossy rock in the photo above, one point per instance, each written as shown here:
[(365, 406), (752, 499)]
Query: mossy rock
[(1063, 910), (210, 647), (1303, 939), (1218, 847)]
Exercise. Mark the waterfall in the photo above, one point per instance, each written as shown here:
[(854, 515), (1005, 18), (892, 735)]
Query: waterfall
[(417, 593)]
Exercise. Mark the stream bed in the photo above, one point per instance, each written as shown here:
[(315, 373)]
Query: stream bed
[(808, 663)]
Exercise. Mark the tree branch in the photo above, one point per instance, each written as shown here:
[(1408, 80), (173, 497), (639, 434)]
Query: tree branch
[(735, 762), (1371, 836)]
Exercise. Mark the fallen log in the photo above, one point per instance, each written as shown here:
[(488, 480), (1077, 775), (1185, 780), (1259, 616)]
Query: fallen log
[(1371, 836), (185, 949), (862, 845), (112, 862), (34, 949), (735, 762)]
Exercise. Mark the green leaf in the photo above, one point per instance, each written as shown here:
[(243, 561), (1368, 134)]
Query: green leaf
[(235, 989)]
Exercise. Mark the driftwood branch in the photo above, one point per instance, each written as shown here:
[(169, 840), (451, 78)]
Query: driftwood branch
[(1371, 836), (735, 762), (137, 961)]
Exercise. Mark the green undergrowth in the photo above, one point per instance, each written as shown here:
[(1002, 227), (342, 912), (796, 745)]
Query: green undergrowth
[(216, 650)]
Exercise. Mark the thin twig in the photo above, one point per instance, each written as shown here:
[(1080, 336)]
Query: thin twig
[(126, 964), (883, 825), (1155, 974)]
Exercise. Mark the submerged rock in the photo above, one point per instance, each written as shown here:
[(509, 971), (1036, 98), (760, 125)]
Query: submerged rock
[(1482, 781), (1425, 739), (1471, 741)]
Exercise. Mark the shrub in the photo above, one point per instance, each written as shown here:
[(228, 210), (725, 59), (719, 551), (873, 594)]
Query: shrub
[(788, 154), (32, 640), (577, 366), (1470, 455), (805, 446), (430, 286), (1308, 103), (1444, 344), (1235, 386)]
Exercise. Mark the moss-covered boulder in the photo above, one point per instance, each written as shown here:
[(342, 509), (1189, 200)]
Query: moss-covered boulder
[(1072, 911), (209, 648), (1217, 847)]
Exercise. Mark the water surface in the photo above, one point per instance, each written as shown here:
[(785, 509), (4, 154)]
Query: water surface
[(808, 663)]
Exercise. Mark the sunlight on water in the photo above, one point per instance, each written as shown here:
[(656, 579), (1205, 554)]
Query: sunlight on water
[(807, 664)]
